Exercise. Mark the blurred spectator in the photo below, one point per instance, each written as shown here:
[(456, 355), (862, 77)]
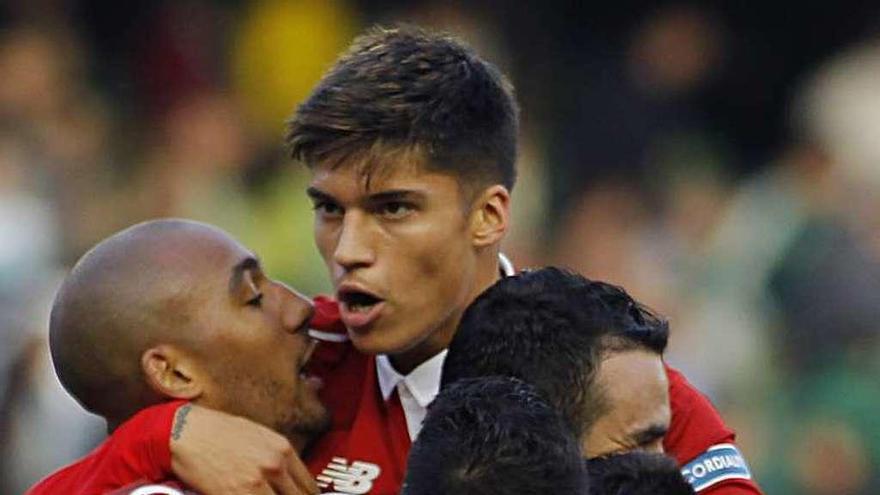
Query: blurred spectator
[(51, 137), (199, 169), (279, 50), (624, 107), (827, 283)]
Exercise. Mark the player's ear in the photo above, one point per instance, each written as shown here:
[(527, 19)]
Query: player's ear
[(171, 372), (490, 216)]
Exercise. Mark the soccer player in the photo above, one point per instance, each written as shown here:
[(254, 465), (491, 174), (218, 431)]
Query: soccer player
[(411, 140), (587, 347), (596, 354), (173, 310), (494, 435)]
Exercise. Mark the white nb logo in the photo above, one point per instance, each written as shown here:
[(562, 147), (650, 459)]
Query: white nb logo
[(355, 478)]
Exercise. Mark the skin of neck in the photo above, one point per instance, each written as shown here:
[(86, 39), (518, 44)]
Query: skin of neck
[(488, 273)]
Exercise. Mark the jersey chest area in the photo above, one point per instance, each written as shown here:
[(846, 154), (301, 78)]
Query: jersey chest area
[(366, 449)]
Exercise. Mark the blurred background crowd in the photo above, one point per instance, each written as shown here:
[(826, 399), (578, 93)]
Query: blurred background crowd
[(720, 162)]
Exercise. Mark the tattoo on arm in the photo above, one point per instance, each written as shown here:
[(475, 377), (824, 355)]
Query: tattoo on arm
[(180, 421)]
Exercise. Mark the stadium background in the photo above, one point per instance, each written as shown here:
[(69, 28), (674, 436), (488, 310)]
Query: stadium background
[(722, 163)]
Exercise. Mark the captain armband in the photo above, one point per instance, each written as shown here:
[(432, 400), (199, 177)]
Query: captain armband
[(718, 463)]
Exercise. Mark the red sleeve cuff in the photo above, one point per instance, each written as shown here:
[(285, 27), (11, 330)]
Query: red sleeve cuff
[(149, 431)]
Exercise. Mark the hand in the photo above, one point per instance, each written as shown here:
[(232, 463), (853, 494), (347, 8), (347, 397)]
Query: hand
[(220, 454)]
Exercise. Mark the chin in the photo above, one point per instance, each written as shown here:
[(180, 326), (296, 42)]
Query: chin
[(378, 343)]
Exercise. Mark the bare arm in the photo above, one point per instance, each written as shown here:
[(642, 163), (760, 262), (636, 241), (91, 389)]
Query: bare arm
[(217, 454)]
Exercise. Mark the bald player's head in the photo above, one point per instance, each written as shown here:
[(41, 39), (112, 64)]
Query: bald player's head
[(175, 309)]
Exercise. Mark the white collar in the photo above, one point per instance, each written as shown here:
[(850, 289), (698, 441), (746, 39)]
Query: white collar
[(423, 382), (505, 266)]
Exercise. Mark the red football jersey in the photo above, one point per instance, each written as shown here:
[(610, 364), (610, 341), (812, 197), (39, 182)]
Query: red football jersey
[(365, 451), (702, 444), (125, 458), (366, 448)]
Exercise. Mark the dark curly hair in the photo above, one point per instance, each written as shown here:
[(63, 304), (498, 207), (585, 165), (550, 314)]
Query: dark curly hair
[(490, 436), (637, 473), (551, 328)]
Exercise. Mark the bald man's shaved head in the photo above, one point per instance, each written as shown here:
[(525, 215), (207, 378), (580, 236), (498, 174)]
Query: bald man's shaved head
[(132, 291), (175, 309)]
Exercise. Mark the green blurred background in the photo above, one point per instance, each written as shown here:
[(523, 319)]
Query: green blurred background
[(719, 160)]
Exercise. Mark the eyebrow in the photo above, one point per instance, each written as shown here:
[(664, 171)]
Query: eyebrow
[(319, 195), (650, 434), (249, 263), (395, 195), (390, 195)]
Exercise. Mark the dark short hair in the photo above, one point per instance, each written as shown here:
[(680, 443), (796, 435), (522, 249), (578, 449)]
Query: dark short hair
[(551, 328), (637, 473), (494, 436), (409, 88)]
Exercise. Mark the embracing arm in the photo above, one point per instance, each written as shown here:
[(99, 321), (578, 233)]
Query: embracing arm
[(130, 455), (213, 452), (217, 453), (702, 443)]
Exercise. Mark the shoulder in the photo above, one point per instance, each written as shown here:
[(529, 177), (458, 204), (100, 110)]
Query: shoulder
[(696, 424), (67, 479), (702, 443)]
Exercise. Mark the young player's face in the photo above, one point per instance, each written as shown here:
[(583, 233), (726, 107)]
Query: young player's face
[(397, 243), (256, 345), (637, 403)]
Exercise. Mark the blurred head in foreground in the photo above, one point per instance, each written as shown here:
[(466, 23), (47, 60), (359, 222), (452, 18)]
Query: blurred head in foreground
[(588, 348), (174, 309), (637, 473), (494, 436)]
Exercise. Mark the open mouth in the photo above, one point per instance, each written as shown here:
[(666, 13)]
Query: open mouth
[(358, 308), (303, 366), (304, 373), (302, 370), (358, 302)]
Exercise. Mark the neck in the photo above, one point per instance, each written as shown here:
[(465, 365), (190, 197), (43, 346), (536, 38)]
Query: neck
[(299, 442), (440, 338)]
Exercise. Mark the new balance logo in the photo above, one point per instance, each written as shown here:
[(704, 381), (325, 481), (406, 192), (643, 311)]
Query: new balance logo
[(344, 478)]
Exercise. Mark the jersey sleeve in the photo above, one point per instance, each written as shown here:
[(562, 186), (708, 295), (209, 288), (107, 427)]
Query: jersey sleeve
[(143, 444), (138, 451), (702, 444), (144, 441)]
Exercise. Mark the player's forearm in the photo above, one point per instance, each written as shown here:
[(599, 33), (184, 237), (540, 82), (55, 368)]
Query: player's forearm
[(217, 453)]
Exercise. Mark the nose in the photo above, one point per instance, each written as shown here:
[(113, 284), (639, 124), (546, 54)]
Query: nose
[(353, 247), (296, 309)]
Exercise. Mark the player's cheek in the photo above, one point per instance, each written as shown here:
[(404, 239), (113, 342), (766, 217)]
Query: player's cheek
[(324, 239)]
